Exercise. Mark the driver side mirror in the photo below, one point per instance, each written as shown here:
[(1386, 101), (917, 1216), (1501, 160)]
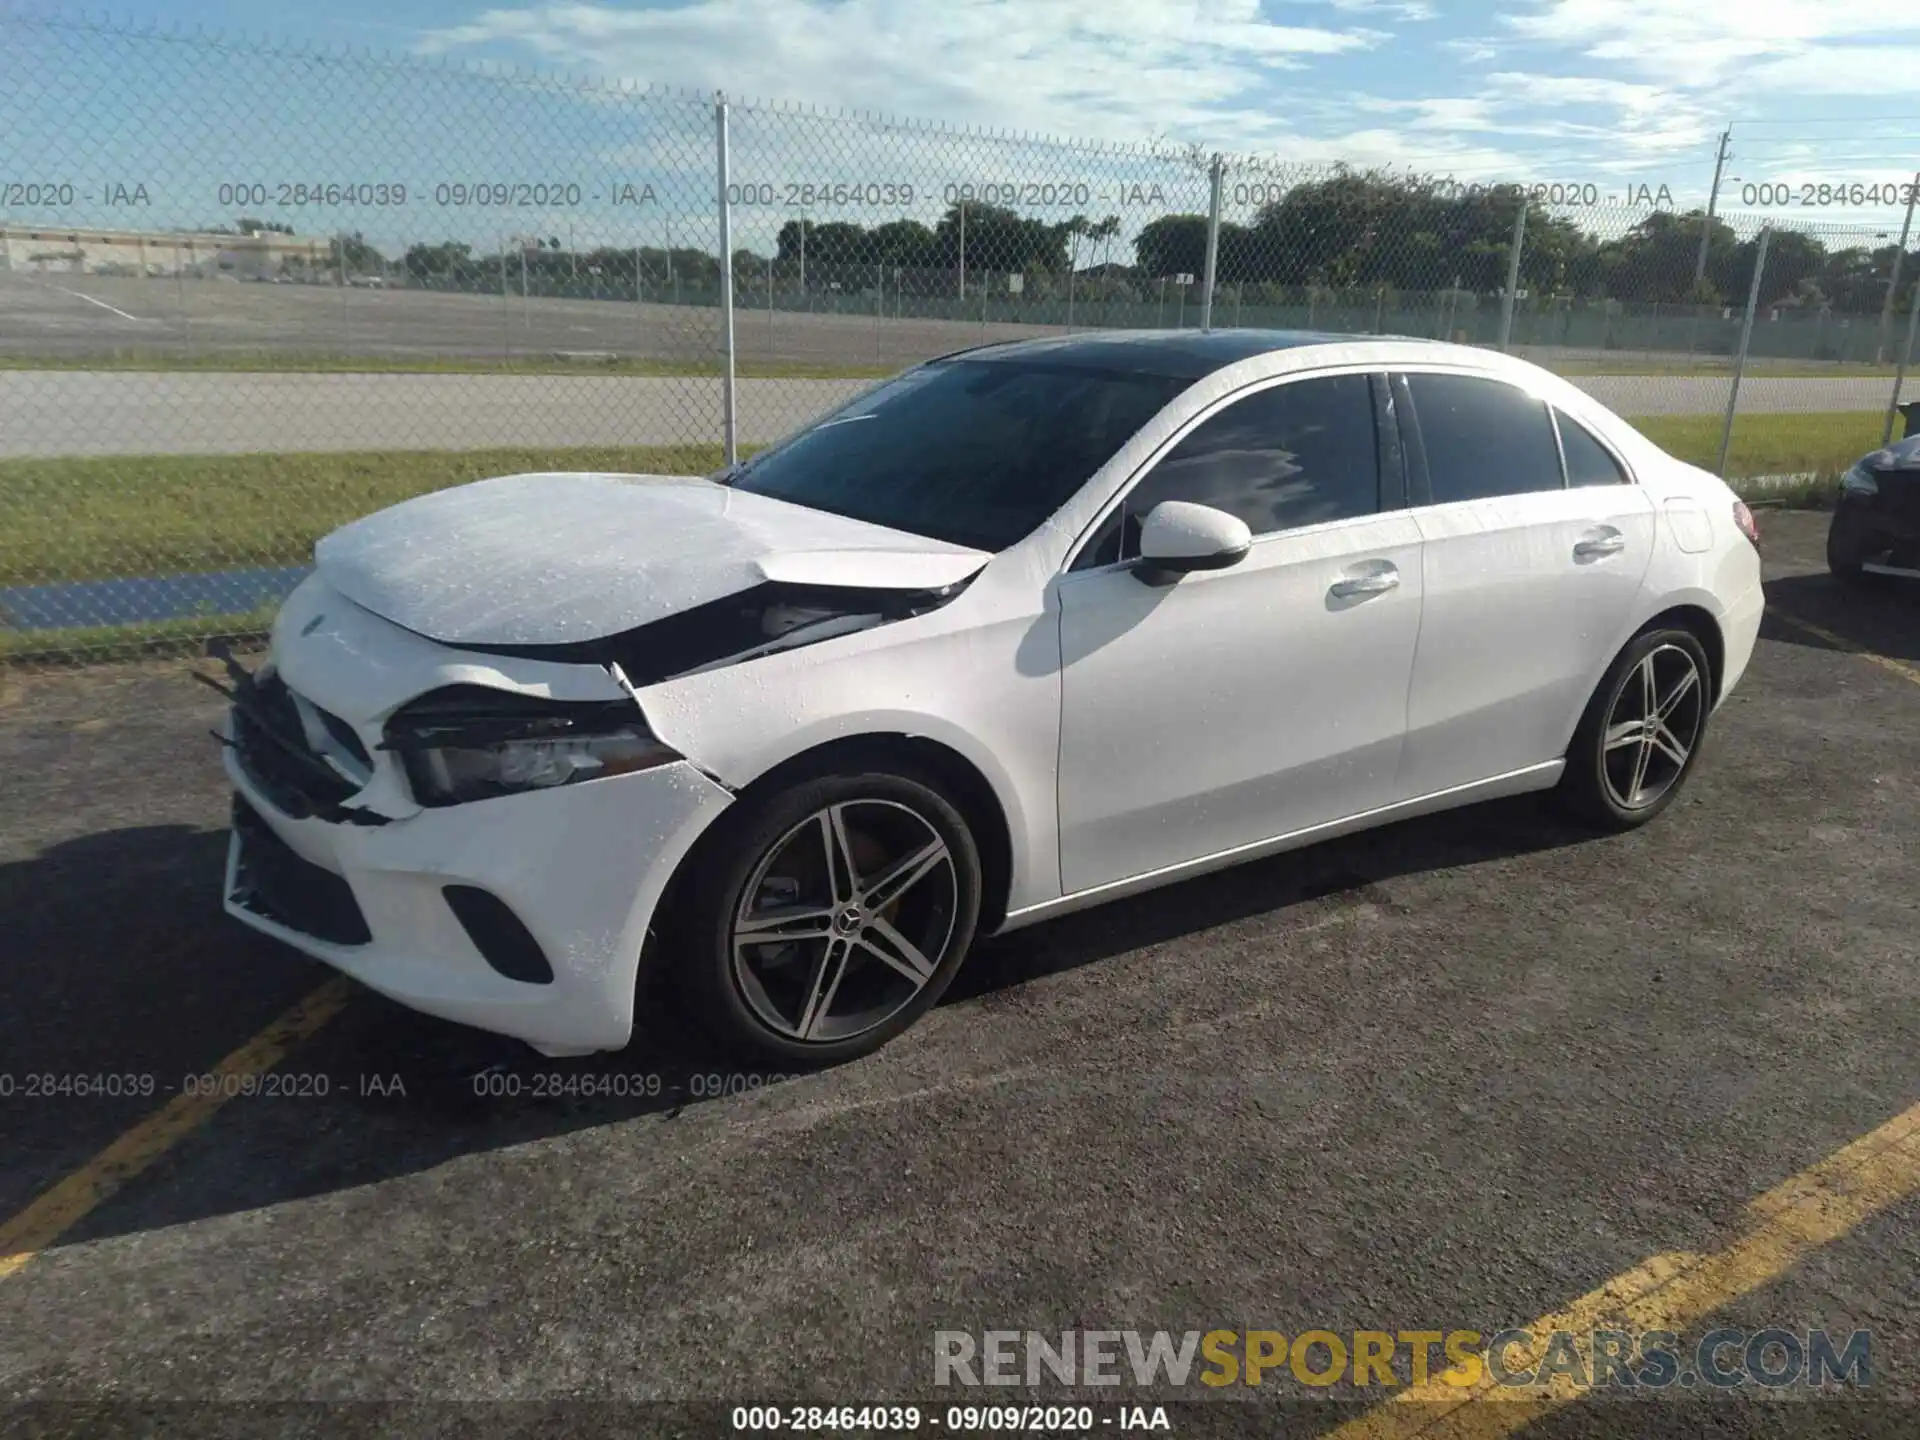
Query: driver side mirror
[(1179, 536)]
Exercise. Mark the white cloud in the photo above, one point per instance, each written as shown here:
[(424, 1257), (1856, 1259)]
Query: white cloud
[(1687, 44), (1131, 67)]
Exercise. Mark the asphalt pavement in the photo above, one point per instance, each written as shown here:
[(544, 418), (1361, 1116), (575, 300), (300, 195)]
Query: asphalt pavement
[(1453, 1074), (197, 410)]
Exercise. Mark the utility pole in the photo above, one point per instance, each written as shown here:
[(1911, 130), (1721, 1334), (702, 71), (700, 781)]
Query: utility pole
[(1713, 203), (963, 251), (1746, 340)]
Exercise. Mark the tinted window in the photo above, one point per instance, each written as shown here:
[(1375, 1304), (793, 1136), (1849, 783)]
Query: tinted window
[(973, 452), (1483, 437), (1588, 462), (1296, 454)]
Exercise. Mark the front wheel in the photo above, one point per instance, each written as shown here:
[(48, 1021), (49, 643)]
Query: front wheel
[(1637, 743), (824, 920)]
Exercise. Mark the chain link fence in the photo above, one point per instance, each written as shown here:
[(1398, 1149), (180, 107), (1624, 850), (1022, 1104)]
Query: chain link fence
[(249, 292)]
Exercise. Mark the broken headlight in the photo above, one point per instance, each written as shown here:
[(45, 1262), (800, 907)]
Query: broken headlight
[(471, 743)]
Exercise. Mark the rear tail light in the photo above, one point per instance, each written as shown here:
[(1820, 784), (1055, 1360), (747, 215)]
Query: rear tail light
[(1743, 517)]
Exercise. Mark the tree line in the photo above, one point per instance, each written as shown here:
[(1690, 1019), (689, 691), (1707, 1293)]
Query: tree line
[(1351, 230)]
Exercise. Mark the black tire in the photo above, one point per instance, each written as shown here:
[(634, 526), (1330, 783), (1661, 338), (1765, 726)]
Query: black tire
[(1850, 544), (1597, 783), (732, 997)]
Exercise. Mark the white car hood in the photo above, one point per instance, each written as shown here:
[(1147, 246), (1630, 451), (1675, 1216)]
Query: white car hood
[(558, 558)]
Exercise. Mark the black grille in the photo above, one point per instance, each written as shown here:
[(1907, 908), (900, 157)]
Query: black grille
[(273, 750), (276, 884)]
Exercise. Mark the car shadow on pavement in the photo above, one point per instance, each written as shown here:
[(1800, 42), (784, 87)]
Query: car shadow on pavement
[(1882, 617), (153, 979)]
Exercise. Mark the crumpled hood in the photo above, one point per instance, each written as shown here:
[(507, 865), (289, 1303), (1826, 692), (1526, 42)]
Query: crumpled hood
[(557, 558)]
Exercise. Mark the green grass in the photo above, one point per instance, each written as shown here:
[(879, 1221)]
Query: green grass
[(256, 362), (89, 518), (84, 518), (1824, 444), (1722, 365), (589, 362), (116, 642)]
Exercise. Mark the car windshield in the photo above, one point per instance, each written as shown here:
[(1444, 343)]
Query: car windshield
[(973, 452)]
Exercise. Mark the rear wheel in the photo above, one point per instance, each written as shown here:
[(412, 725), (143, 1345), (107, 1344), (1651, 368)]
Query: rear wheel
[(1637, 743), (824, 920)]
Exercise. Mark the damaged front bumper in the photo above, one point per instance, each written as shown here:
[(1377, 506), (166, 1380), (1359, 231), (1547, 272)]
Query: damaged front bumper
[(523, 914)]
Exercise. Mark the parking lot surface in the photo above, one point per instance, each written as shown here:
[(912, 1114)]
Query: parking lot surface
[(1453, 1074)]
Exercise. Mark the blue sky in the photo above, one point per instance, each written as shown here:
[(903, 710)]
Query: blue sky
[(1607, 93)]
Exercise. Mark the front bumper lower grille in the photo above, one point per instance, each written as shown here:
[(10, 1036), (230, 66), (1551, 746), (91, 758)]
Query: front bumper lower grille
[(272, 747), (275, 883)]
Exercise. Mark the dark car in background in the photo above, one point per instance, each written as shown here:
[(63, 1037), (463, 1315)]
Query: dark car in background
[(1876, 518)]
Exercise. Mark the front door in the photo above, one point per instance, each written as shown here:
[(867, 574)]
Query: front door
[(1232, 706)]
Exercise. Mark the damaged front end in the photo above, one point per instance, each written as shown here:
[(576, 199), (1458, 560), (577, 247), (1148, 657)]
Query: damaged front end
[(306, 761), (471, 742)]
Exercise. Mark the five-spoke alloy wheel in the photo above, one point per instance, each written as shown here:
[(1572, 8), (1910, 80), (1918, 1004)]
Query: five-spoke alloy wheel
[(1642, 730), (834, 916)]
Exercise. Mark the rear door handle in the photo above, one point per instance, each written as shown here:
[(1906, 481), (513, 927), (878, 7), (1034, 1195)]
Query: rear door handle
[(1607, 542), (1375, 582)]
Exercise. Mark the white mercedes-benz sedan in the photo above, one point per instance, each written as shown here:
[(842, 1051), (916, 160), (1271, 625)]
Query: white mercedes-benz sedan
[(1020, 630)]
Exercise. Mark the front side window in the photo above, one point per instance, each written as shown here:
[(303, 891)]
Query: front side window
[(1483, 438), (973, 452), (1299, 453)]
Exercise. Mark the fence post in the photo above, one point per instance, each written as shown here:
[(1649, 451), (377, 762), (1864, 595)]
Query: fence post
[(728, 426), (1073, 256), (1746, 339), (1514, 248), (1899, 254), (1900, 375), (1217, 169)]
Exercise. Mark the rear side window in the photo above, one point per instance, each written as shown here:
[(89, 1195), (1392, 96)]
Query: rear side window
[(1300, 453), (1588, 462), (1483, 438)]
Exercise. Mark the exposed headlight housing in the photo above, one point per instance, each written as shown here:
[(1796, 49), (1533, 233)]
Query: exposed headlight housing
[(469, 743)]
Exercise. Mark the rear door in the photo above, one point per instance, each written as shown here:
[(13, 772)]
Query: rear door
[(1528, 579)]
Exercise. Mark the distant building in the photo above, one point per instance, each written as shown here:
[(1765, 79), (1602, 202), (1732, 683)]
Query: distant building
[(201, 254)]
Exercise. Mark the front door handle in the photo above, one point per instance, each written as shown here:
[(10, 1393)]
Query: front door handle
[(1376, 582), (1607, 542)]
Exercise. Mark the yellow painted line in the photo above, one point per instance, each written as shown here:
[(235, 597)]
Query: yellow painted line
[(1668, 1292), (70, 1201), (1840, 642)]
